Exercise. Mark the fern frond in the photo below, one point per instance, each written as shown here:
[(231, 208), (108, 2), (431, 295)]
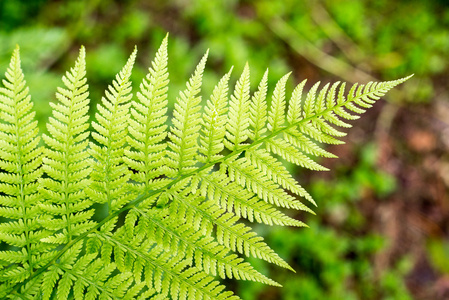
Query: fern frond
[(303, 143), (233, 235), (186, 124), (255, 180), (237, 128), (294, 105), (214, 121), (88, 277), (169, 275), (110, 175), (20, 169), (63, 192), (258, 110), (235, 199), (309, 103), (175, 196), (147, 129), (276, 116), (180, 239), (278, 173)]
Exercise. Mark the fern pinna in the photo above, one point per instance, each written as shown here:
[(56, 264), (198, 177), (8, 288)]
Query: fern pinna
[(175, 196)]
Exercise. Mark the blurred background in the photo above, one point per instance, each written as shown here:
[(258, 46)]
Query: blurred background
[(381, 230)]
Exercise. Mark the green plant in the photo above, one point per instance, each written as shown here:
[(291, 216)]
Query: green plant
[(320, 256), (171, 198)]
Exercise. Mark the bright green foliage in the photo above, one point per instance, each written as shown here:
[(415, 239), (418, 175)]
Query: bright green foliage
[(258, 110), (213, 122), (175, 197), (20, 165), (110, 174), (186, 125), (238, 117), (66, 161), (147, 129)]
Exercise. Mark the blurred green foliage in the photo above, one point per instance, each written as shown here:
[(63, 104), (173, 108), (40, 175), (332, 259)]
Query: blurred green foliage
[(365, 35), (365, 39), (330, 265), (438, 252), (350, 184)]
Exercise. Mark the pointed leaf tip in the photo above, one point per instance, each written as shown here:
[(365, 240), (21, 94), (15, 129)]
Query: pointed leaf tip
[(408, 77)]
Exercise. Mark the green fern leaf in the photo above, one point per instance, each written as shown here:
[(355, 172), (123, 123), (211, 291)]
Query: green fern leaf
[(276, 116), (258, 110), (233, 198), (186, 124), (238, 120), (175, 197), (147, 127), (213, 122), (110, 174), (294, 106), (63, 192), (234, 236), (276, 172), (20, 165), (184, 241)]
